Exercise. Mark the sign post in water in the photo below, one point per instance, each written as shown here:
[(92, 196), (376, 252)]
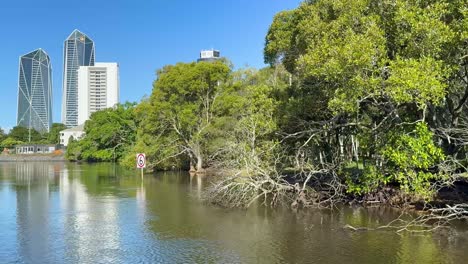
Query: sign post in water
[(141, 162)]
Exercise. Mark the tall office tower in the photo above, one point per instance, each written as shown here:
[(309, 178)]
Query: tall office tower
[(35, 91), (78, 51), (98, 88)]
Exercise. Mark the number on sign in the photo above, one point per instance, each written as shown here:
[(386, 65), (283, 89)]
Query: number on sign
[(141, 160)]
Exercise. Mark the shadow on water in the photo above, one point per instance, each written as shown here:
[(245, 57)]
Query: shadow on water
[(88, 213)]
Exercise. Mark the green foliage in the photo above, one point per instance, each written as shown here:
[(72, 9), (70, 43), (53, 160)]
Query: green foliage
[(420, 28), (410, 156), (2, 135), (351, 82), (23, 134), (247, 132), (362, 71), (419, 81), (53, 137), (10, 142), (362, 181), (74, 149), (278, 37), (414, 150), (109, 134), (176, 119)]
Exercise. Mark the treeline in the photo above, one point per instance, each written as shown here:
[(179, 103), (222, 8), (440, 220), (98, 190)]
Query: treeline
[(19, 135), (359, 95)]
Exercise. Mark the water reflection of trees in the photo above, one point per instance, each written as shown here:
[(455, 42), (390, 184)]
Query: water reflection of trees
[(79, 211), (279, 235), (104, 179)]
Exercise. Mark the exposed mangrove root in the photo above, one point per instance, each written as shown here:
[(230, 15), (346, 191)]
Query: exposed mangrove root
[(320, 188), (243, 191)]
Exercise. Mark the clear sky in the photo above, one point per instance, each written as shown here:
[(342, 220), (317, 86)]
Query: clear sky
[(140, 35)]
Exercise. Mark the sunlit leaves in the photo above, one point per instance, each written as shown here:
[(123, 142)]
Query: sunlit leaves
[(109, 134), (419, 81), (421, 29), (177, 118), (410, 156)]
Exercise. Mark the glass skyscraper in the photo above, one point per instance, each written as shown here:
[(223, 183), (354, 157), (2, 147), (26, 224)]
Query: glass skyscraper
[(35, 91), (78, 51)]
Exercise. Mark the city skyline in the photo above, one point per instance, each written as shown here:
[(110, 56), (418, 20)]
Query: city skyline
[(35, 91), (141, 36)]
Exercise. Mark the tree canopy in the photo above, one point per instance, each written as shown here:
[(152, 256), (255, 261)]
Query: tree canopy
[(53, 136), (183, 106), (388, 74), (24, 134), (109, 134)]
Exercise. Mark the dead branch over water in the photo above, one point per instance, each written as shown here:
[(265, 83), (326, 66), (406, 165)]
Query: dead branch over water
[(303, 188)]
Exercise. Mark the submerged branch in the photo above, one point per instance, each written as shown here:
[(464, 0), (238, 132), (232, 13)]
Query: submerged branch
[(432, 219)]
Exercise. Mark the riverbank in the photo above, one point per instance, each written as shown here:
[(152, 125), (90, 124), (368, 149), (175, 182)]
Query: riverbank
[(456, 193), (327, 191), (31, 158)]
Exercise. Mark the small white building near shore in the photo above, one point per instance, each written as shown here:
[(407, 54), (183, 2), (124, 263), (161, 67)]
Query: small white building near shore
[(75, 132), (35, 148)]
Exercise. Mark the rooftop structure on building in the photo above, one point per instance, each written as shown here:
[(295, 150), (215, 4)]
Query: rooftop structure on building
[(209, 55)]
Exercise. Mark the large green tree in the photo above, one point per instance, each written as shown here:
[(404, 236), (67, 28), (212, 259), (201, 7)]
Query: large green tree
[(109, 134), (366, 73), (24, 134), (247, 130), (185, 103)]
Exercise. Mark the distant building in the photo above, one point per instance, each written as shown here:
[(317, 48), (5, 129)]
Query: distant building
[(98, 89), (75, 132), (78, 51), (35, 148), (209, 55), (35, 91)]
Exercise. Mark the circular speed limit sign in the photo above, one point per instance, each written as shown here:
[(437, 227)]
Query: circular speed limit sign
[(141, 160)]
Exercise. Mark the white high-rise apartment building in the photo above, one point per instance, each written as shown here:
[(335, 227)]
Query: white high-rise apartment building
[(98, 88)]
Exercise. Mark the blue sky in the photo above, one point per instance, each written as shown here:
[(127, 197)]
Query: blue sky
[(141, 35)]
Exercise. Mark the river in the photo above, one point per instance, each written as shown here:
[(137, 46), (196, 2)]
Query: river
[(101, 213)]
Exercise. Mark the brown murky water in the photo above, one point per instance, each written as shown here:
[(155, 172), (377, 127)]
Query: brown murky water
[(100, 213)]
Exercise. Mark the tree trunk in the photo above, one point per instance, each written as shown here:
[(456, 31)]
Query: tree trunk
[(198, 156), (200, 164), (192, 168), (340, 140), (355, 147)]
